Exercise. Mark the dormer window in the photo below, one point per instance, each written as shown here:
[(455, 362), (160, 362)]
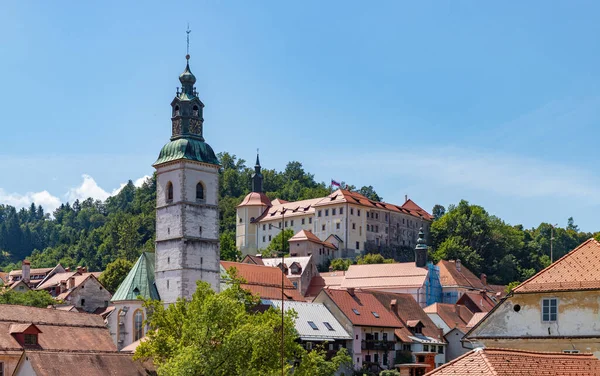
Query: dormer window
[(30, 339)]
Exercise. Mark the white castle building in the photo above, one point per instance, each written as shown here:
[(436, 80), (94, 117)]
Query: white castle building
[(348, 220)]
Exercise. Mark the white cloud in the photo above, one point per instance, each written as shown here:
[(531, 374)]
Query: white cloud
[(138, 183), (43, 198), (88, 188), (506, 175)]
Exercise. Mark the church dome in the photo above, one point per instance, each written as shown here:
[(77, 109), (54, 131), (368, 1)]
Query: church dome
[(187, 148)]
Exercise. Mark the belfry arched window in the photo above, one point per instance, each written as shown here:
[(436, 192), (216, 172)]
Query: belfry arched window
[(199, 191), (169, 192), (138, 325), (176, 111), (195, 111)]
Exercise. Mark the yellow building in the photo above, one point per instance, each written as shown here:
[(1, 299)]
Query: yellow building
[(555, 310)]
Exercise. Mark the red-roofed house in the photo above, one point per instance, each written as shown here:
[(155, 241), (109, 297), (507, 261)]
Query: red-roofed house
[(81, 289), (305, 243), (555, 310), (453, 320), (370, 323), (264, 281), (505, 362)]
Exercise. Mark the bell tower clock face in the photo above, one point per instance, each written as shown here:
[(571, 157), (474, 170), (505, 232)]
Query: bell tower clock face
[(195, 126), (176, 126)]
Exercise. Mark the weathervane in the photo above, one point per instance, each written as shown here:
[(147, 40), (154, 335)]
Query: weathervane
[(188, 31)]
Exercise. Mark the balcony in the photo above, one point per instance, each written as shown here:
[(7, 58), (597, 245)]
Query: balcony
[(377, 345)]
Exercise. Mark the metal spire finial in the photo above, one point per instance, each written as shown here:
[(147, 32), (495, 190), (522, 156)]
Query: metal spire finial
[(188, 31)]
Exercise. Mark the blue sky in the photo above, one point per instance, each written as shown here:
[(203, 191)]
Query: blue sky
[(496, 103)]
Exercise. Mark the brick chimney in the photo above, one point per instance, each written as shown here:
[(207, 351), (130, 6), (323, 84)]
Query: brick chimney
[(84, 269), (67, 269), (394, 306), (70, 283), (26, 271), (351, 291), (457, 263), (484, 279), (440, 333), (79, 269), (63, 287)]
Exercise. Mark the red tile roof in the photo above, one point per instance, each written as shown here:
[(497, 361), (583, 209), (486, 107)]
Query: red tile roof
[(454, 315), (307, 235), (264, 280), (51, 363), (451, 276), (409, 312), (249, 259), (365, 303), (577, 270), (60, 330), (505, 362), (481, 301), (398, 275), (255, 199)]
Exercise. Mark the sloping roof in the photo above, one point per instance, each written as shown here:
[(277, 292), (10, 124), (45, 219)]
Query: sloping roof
[(316, 313), (265, 281), (290, 209), (505, 362), (304, 261), (454, 315), (307, 235), (477, 316), (31, 271), (249, 259), (480, 300), (397, 275), (56, 279), (139, 281), (255, 199), (344, 195), (60, 330), (3, 277), (51, 363), (577, 270), (365, 304), (451, 276), (409, 312)]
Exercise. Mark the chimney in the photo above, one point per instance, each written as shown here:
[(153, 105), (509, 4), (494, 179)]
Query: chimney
[(63, 287), (484, 279), (79, 269), (84, 269), (394, 306), (67, 269), (440, 333), (330, 268), (26, 269), (351, 291), (405, 198), (458, 264), (70, 283)]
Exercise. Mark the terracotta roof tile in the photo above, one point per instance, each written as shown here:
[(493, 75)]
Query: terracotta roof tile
[(365, 303), (451, 276), (307, 235), (477, 316), (264, 280), (577, 270), (291, 209), (454, 315), (50, 363), (249, 259), (479, 299), (505, 362), (404, 274), (408, 310), (255, 199)]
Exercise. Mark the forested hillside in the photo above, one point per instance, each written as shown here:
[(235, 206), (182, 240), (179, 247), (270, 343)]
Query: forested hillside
[(95, 233)]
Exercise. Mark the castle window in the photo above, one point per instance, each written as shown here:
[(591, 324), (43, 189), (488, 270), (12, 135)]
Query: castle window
[(269, 237), (199, 192), (169, 192), (354, 226), (337, 225), (333, 211), (292, 223), (341, 211), (264, 238), (326, 212), (323, 228), (138, 325), (264, 227), (309, 220), (302, 220), (195, 111)]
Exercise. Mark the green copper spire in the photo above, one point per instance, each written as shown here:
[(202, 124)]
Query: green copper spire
[(421, 243)]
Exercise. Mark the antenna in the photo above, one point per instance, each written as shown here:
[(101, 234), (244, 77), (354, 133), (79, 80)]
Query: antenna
[(188, 31)]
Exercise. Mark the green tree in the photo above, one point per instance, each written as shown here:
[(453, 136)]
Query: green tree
[(340, 264), (373, 258), (229, 251), (115, 273), (369, 192), (220, 334), (571, 225), (438, 211), (280, 240), (33, 298)]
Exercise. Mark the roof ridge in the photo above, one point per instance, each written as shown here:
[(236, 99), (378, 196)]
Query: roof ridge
[(553, 265)]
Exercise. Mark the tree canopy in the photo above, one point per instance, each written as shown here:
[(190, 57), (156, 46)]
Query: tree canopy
[(224, 334), (33, 298)]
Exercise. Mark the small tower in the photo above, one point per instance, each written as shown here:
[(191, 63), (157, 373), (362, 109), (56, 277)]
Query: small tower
[(421, 250), (187, 215), (248, 230)]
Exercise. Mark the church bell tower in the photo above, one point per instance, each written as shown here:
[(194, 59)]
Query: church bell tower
[(187, 215)]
